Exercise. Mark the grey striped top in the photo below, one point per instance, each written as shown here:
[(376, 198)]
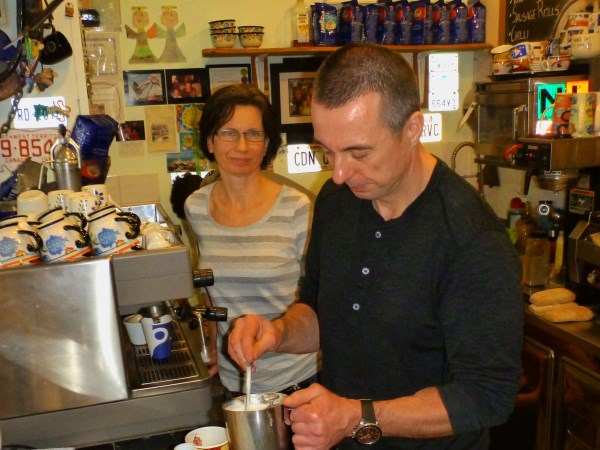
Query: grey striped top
[(256, 270)]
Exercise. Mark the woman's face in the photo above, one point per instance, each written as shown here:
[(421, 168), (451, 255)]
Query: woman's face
[(240, 157)]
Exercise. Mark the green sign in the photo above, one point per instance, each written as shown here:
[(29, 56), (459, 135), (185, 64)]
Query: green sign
[(546, 94)]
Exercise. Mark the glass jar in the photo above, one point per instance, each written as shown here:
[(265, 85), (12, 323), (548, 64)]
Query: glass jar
[(537, 259)]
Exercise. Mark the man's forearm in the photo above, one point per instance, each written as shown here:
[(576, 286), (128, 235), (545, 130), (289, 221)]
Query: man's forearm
[(300, 330)]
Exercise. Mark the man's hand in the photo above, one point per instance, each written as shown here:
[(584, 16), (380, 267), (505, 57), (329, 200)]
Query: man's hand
[(251, 337), (319, 418)]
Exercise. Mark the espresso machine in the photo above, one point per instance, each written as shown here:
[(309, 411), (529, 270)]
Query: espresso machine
[(69, 377)]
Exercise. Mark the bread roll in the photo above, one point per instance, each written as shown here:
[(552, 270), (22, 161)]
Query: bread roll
[(572, 312), (554, 296)]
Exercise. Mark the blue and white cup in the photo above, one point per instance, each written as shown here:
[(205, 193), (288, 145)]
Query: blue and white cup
[(158, 336)]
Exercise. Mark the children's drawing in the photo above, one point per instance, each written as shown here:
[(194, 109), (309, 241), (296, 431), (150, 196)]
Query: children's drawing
[(142, 53), (170, 18)]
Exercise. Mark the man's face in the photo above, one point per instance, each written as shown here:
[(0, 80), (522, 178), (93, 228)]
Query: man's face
[(366, 155)]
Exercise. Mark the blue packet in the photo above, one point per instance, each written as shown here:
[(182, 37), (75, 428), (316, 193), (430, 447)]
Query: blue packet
[(476, 22), (386, 24), (458, 22), (351, 20), (441, 22), (327, 22), (404, 18), (371, 23)]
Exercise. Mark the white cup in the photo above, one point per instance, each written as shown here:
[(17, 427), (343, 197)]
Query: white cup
[(32, 201), (133, 326), (158, 336), (114, 232), (209, 438), (20, 245), (553, 63), (63, 241), (84, 203), (57, 199), (99, 190)]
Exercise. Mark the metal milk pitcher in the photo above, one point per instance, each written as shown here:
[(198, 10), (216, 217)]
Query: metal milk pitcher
[(261, 426)]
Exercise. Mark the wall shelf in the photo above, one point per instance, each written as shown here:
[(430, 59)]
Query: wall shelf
[(322, 50), (263, 54)]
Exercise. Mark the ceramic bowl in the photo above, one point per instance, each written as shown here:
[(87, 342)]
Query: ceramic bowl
[(226, 23), (223, 40), (248, 40), (223, 30), (251, 29)]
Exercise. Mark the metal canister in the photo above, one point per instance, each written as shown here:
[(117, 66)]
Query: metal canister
[(261, 426), (66, 162)]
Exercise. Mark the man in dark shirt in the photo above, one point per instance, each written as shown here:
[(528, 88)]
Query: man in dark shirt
[(412, 287)]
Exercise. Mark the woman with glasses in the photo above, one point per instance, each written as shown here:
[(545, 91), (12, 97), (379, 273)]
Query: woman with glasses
[(251, 231)]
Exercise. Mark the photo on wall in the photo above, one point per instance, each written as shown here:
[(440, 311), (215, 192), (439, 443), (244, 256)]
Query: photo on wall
[(144, 87), (187, 86)]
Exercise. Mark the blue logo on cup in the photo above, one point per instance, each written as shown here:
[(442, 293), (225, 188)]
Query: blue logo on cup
[(519, 51), (162, 336)]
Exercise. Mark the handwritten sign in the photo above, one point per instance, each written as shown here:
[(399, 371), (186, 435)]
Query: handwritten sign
[(532, 20)]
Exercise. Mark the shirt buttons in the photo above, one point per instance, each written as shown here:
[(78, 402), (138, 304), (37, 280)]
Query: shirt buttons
[(365, 271), (377, 234), (356, 306)]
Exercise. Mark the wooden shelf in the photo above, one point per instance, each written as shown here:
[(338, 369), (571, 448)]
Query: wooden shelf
[(322, 50)]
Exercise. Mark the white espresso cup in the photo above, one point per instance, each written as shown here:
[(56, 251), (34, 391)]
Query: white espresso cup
[(63, 241), (99, 190), (32, 201), (114, 232), (20, 245), (58, 198), (84, 203)]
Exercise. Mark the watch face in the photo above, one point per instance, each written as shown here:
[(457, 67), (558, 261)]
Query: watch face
[(368, 434)]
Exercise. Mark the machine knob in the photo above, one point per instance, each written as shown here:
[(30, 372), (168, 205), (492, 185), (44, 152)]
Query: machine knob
[(203, 278)]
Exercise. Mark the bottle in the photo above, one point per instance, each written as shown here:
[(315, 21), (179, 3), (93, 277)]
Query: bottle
[(300, 24), (537, 259), (523, 227)]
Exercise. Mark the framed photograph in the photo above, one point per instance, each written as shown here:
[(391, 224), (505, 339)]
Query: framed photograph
[(3, 16), (291, 96), (221, 75), (144, 87), (187, 86)]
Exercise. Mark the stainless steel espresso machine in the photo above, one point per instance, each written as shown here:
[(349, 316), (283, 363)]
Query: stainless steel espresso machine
[(69, 376)]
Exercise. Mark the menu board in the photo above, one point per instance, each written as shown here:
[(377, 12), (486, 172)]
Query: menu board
[(534, 20)]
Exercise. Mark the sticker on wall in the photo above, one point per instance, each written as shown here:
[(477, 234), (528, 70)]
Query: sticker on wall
[(144, 87), (169, 19), (189, 142), (161, 130), (188, 117), (187, 86), (142, 53), (181, 162), (132, 130)]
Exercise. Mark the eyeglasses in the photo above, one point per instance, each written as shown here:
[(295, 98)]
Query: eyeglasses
[(234, 135)]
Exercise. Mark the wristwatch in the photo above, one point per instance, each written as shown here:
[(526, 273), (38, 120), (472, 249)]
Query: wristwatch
[(367, 431)]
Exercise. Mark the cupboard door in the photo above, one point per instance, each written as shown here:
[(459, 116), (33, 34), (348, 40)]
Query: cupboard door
[(528, 427), (578, 407)]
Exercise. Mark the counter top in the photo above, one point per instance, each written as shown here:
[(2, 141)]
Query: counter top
[(585, 335)]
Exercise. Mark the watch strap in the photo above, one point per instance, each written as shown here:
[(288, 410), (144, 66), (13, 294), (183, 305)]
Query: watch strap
[(368, 411)]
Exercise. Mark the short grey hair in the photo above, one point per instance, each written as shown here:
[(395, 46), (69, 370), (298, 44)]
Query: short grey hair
[(355, 70)]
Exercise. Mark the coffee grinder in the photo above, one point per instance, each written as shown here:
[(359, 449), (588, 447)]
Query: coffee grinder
[(582, 246)]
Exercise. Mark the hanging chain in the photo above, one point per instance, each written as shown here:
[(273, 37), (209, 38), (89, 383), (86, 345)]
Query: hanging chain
[(13, 109)]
